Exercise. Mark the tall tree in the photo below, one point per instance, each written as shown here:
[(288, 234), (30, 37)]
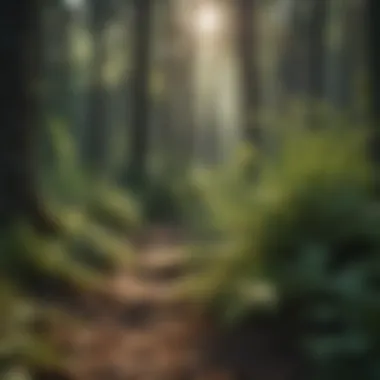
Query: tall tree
[(137, 170), (316, 48), (338, 62), (180, 81), (164, 34), (373, 17), (96, 137), (58, 22), (355, 49), (293, 64), (246, 47), (56, 18), (19, 71)]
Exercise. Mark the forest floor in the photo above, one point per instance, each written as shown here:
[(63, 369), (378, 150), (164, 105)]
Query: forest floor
[(140, 328)]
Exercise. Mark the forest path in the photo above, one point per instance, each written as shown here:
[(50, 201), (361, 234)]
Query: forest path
[(139, 327)]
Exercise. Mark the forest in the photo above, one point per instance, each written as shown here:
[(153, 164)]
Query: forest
[(190, 190)]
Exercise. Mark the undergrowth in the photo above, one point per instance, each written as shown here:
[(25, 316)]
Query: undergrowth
[(300, 228), (95, 220), (98, 217)]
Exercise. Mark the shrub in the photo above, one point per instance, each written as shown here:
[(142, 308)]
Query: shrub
[(96, 216), (21, 346), (303, 232)]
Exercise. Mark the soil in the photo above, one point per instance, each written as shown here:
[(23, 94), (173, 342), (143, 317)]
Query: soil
[(140, 328)]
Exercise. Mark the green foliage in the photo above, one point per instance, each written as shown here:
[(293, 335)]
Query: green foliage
[(302, 231), (97, 217), (113, 208), (64, 177), (210, 200), (39, 265), (161, 203), (93, 244), (20, 345), (95, 220)]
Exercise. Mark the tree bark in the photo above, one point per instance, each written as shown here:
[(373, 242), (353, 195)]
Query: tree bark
[(294, 66), (373, 19), (96, 124), (316, 60), (163, 122), (20, 52), (374, 58), (249, 77), (317, 43), (137, 171), (58, 65)]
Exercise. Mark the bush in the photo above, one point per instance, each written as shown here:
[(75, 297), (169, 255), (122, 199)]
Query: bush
[(95, 219), (21, 346), (114, 209), (42, 267), (96, 216), (304, 232), (211, 199)]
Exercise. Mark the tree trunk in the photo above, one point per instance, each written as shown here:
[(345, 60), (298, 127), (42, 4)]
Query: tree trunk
[(96, 137), (348, 60), (250, 83), (137, 170), (180, 80), (317, 43), (164, 126), (316, 59), (374, 58), (20, 52), (56, 74), (294, 65), (373, 17), (59, 62)]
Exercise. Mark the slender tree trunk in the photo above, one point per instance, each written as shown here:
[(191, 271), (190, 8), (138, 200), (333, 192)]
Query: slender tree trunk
[(59, 62), (316, 59), (181, 97), (374, 57), (137, 170), (357, 48), (348, 59), (294, 67), (56, 66), (373, 19), (317, 43), (96, 136), (164, 122), (250, 83), (19, 71)]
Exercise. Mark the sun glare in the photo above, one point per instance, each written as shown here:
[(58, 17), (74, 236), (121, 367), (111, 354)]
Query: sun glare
[(208, 19)]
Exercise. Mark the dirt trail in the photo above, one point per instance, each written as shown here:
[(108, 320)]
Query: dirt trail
[(139, 329)]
